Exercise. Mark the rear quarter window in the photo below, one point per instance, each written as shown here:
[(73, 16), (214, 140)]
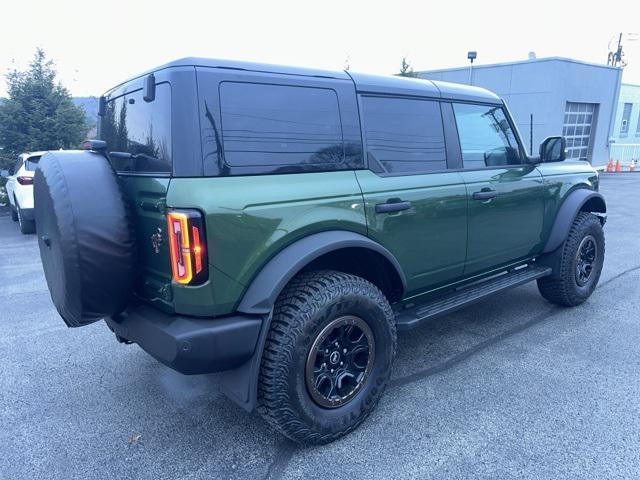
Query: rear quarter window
[(138, 133), (31, 163), (270, 128)]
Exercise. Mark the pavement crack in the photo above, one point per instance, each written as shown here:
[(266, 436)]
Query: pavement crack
[(284, 453), (461, 357), (621, 274)]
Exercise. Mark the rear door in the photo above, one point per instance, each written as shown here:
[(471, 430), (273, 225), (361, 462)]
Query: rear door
[(505, 195), (415, 207)]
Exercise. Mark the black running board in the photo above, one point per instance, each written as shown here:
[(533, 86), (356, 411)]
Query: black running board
[(413, 317)]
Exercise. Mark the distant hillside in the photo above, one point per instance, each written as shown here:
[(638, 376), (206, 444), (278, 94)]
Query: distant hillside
[(90, 105)]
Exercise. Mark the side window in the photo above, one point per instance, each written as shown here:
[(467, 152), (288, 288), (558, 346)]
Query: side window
[(138, 133), (626, 116), (281, 128), (404, 136), (486, 138)]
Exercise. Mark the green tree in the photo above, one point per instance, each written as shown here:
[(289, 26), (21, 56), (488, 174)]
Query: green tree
[(39, 113), (406, 70)]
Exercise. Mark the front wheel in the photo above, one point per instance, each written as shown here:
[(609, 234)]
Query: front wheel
[(579, 263), (327, 358)]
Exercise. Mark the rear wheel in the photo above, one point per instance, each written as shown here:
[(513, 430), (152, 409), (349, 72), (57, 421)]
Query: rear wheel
[(327, 358), (26, 226), (579, 263)]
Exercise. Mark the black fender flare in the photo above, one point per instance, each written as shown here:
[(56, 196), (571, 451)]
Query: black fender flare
[(567, 213), (261, 295), (241, 383)]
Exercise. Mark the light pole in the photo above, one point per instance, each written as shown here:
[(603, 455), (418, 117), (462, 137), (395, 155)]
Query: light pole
[(471, 56)]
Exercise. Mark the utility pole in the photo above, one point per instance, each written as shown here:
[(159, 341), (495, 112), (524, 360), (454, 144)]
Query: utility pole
[(616, 59), (531, 134)]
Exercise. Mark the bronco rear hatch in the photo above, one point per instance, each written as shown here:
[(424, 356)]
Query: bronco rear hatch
[(137, 130)]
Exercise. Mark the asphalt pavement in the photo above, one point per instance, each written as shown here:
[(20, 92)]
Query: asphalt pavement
[(512, 387)]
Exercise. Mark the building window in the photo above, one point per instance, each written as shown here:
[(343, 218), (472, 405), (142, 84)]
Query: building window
[(626, 116), (579, 123), (638, 126)]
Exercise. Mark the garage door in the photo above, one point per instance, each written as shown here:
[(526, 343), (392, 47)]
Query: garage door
[(579, 125)]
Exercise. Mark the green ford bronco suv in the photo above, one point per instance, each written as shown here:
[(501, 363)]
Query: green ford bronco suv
[(280, 224)]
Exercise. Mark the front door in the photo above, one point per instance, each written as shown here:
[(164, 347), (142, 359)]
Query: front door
[(505, 194), (415, 207)]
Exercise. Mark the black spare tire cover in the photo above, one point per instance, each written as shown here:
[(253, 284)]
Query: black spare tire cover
[(85, 235)]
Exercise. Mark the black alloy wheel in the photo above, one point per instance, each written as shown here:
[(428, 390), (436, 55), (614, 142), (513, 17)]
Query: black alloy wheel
[(339, 361), (586, 257)]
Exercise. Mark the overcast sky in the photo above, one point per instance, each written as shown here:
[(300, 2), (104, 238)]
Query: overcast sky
[(95, 45)]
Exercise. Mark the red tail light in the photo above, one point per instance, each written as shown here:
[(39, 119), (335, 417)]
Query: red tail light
[(187, 246), (25, 180)]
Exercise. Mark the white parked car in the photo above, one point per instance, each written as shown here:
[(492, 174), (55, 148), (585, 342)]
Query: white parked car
[(20, 190)]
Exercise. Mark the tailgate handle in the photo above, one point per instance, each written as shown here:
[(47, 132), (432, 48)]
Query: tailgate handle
[(392, 207), (485, 194)]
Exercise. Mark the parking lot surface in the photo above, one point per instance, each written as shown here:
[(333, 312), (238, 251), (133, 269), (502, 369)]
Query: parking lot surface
[(512, 387)]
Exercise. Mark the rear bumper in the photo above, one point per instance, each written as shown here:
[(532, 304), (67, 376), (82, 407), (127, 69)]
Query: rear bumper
[(189, 345)]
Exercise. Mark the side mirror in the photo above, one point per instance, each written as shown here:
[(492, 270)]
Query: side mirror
[(552, 149)]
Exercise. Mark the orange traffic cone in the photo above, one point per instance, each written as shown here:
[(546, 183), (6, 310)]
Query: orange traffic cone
[(632, 167), (618, 166), (610, 165)]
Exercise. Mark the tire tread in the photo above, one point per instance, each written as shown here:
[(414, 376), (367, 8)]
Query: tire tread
[(293, 307), (559, 288)]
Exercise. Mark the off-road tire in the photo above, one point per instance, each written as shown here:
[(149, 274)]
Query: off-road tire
[(309, 303), (561, 287), (26, 226), (86, 236)]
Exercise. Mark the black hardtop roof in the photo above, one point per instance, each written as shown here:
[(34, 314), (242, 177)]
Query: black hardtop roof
[(396, 85), (384, 84)]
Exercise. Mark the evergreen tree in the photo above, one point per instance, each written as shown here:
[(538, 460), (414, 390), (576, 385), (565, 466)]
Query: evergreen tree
[(39, 113), (406, 70), (122, 135)]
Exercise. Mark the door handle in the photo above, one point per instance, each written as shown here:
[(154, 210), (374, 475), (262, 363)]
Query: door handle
[(392, 207), (485, 195)]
